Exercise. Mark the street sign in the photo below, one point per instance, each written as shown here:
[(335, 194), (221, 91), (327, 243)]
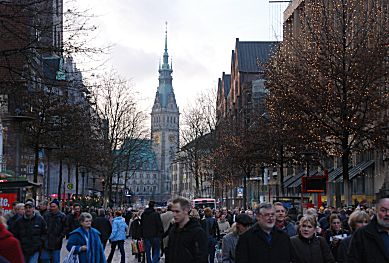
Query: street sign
[(69, 186)]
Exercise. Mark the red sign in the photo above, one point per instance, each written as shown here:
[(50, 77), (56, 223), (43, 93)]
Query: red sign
[(6, 200)]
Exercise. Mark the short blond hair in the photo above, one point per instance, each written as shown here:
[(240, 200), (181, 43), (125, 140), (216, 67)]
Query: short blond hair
[(308, 218), (355, 216)]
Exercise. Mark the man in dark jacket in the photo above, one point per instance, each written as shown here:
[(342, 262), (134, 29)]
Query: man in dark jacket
[(73, 218), (56, 231), (187, 239), (371, 243), (152, 232), (31, 231), (103, 225), (263, 242)]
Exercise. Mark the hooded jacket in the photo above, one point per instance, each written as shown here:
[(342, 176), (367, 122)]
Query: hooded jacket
[(119, 228), (31, 232), (188, 244), (9, 246), (151, 224)]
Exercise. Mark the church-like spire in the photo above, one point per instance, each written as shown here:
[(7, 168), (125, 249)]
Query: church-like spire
[(165, 64)]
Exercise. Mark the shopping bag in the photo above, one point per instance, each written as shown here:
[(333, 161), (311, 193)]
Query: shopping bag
[(141, 246), (71, 257), (134, 247)]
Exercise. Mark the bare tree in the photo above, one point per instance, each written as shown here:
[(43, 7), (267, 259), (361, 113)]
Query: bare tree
[(116, 105), (199, 120), (329, 78)]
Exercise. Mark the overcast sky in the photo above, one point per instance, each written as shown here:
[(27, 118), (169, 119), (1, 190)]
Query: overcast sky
[(201, 35)]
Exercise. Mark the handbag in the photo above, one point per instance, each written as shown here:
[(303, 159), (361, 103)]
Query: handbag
[(134, 247), (141, 246), (71, 257)]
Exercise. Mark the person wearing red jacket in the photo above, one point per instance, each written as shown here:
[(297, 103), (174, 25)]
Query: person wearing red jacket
[(9, 246)]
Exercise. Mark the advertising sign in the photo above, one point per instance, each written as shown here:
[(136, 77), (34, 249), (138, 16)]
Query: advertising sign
[(6, 200)]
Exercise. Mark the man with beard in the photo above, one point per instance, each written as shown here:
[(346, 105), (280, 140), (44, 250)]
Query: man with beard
[(73, 218), (263, 242), (371, 243)]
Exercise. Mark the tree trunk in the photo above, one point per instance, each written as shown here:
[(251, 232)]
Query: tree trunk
[(35, 172), (282, 170), (60, 179), (245, 192), (346, 180), (77, 178)]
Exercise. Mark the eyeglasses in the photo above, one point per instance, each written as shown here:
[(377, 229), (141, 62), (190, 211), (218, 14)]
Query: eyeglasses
[(268, 215), (336, 223)]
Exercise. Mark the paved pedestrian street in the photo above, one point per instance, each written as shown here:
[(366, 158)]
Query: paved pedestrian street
[(116, 258)]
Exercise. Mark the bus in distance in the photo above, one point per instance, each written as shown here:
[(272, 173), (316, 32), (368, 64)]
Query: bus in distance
[(203, 203)]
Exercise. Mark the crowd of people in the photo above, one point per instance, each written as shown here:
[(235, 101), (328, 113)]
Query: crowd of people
[(181, 233)]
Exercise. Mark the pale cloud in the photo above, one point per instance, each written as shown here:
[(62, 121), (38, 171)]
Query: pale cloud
[(201, 35)]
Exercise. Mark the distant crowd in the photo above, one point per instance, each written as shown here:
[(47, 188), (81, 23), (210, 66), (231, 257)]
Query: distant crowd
[(180, 233)]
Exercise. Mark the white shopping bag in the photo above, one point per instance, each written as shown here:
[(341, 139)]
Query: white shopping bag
[(71, 257)]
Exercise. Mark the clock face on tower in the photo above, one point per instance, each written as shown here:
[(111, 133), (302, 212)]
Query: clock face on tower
[(156, 138), (172, 138)]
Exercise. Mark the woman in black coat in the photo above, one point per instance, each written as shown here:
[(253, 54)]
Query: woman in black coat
[(102, 224), (335, 234), (136, 235), (307, 246)]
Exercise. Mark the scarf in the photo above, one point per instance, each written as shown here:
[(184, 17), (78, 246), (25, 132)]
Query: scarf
[(95, 252)]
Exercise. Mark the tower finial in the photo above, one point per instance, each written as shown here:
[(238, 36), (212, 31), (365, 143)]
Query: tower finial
[(166, 36)]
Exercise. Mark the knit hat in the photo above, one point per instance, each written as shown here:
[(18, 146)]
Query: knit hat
[(244, 219), (55, 201)]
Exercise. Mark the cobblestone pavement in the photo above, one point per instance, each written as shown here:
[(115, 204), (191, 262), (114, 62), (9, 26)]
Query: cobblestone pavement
[(116, 258)]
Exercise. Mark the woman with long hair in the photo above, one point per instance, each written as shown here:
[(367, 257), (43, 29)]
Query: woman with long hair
[(307, 246), (356, 220), (335, 234)]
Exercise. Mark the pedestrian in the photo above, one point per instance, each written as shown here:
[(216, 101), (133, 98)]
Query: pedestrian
[(307, 246), (56, 231), (263, 242), (281, 222), (166, 219), (243, 222), (356, 220), (73, 221), (371, 243), (31, 231), (136, 235), (13, 211), (194, 214), (86, 241), (335, 234), (223, 224), (43, 208), (102, 224), (152, 232), (10, 249), (187, 240), (117, 237), (212, 231), (19, 212)]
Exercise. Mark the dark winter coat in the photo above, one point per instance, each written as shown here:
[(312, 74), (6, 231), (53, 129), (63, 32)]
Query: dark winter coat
[(136, 229), (56, 230), (253, 247), (94, 252), (329, 234), (343, 249), (72, 222), (188, 244), (103, 225), (151, 224), (9, 246), (31, 233), (211, 227), (311, 250), (367, 246)]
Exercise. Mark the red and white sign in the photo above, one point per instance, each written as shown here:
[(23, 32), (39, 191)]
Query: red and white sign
[(6, 200)]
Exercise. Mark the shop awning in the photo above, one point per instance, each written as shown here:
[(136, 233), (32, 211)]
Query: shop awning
[(357, 169)]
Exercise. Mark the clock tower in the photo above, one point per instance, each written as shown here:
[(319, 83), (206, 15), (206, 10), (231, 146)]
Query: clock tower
[(165, 125)]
